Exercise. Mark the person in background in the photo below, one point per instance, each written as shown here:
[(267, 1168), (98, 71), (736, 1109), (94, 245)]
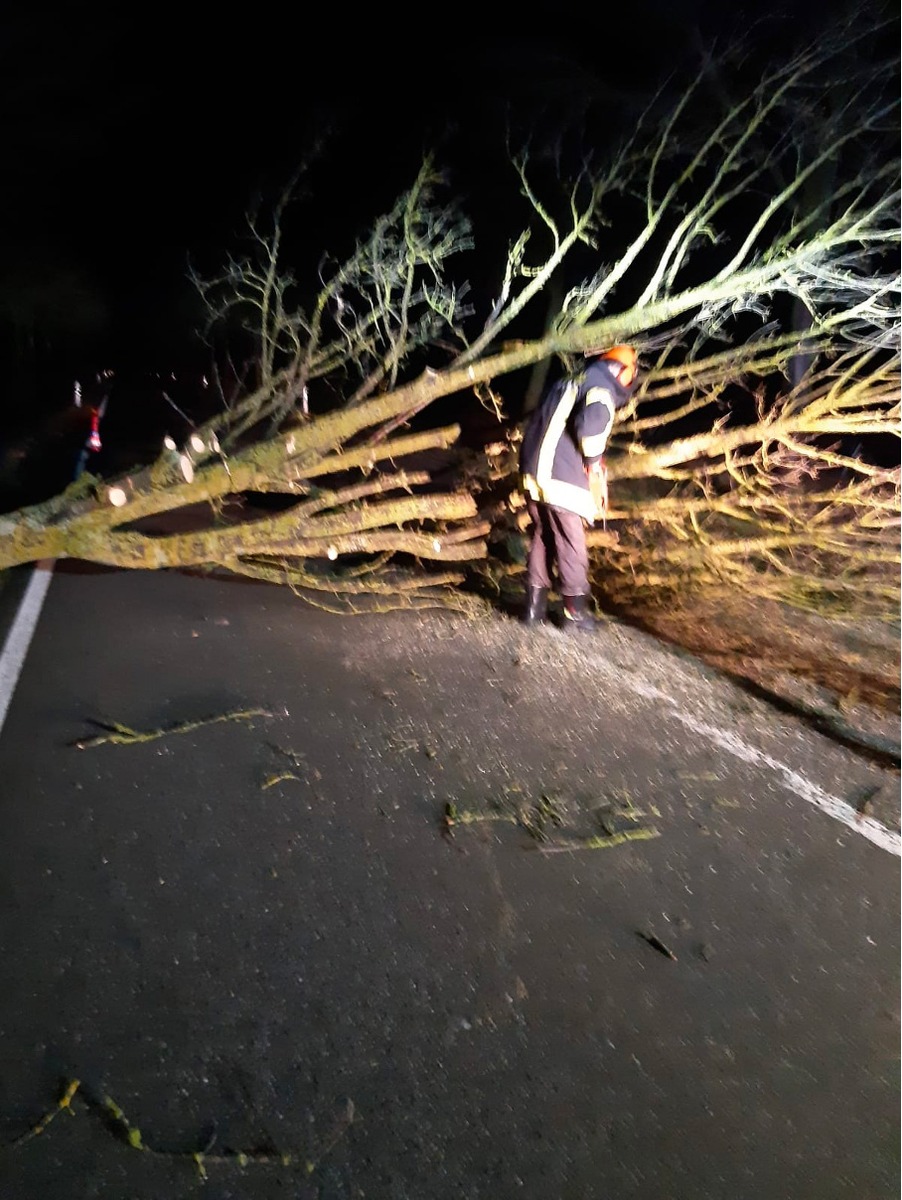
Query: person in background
[(562, 475)]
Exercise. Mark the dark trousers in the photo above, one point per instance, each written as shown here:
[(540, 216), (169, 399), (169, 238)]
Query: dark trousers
[(558, 543)]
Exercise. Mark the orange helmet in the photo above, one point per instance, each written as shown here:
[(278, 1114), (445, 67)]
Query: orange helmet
[(627, 357)]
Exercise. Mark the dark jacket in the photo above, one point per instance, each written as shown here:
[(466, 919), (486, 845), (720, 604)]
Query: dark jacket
[(567, 433)]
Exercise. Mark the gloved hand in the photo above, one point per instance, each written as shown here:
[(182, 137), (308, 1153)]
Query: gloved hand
[(598, 486)]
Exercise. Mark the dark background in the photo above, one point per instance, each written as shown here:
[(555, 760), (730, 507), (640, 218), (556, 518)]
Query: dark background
[(136, 139)]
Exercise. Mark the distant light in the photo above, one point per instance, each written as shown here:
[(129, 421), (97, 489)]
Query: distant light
[(436, 544), (169, 442), (187, 467), (77, 394), (198, 443), (332, 553), (117, 496)]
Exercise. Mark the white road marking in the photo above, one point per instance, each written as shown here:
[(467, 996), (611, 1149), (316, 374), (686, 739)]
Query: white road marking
[(21, 632), (874, 831)]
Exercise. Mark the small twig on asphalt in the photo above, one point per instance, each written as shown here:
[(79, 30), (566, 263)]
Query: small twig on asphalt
[(131, 1133), (122, 1128), (64, 1102), (605, 843), (453, 816), (123, 735), (274, 779), (534, 819), (657, 944)]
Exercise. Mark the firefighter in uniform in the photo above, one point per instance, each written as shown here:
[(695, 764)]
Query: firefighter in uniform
[(562, 475)]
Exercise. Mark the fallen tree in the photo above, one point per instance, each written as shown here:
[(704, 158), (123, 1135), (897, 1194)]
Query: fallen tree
[(724, 231)]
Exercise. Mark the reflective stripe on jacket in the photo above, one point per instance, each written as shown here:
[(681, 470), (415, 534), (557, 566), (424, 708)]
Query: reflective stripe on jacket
[(567, 433)]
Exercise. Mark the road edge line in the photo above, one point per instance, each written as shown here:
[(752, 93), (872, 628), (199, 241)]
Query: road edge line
[(12, 657)]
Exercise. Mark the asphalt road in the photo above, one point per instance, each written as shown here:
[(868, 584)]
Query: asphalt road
[(260, 935)]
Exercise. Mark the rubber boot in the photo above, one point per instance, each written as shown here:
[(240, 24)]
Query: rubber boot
[(577, 617), (536, 605)]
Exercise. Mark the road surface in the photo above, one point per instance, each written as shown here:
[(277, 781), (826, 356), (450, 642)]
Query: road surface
[(322, 922)]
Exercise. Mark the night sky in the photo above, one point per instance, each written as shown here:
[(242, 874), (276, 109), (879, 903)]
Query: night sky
[(133, 141)]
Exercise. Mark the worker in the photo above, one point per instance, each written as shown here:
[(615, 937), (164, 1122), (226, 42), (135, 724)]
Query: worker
[(562, 474)]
